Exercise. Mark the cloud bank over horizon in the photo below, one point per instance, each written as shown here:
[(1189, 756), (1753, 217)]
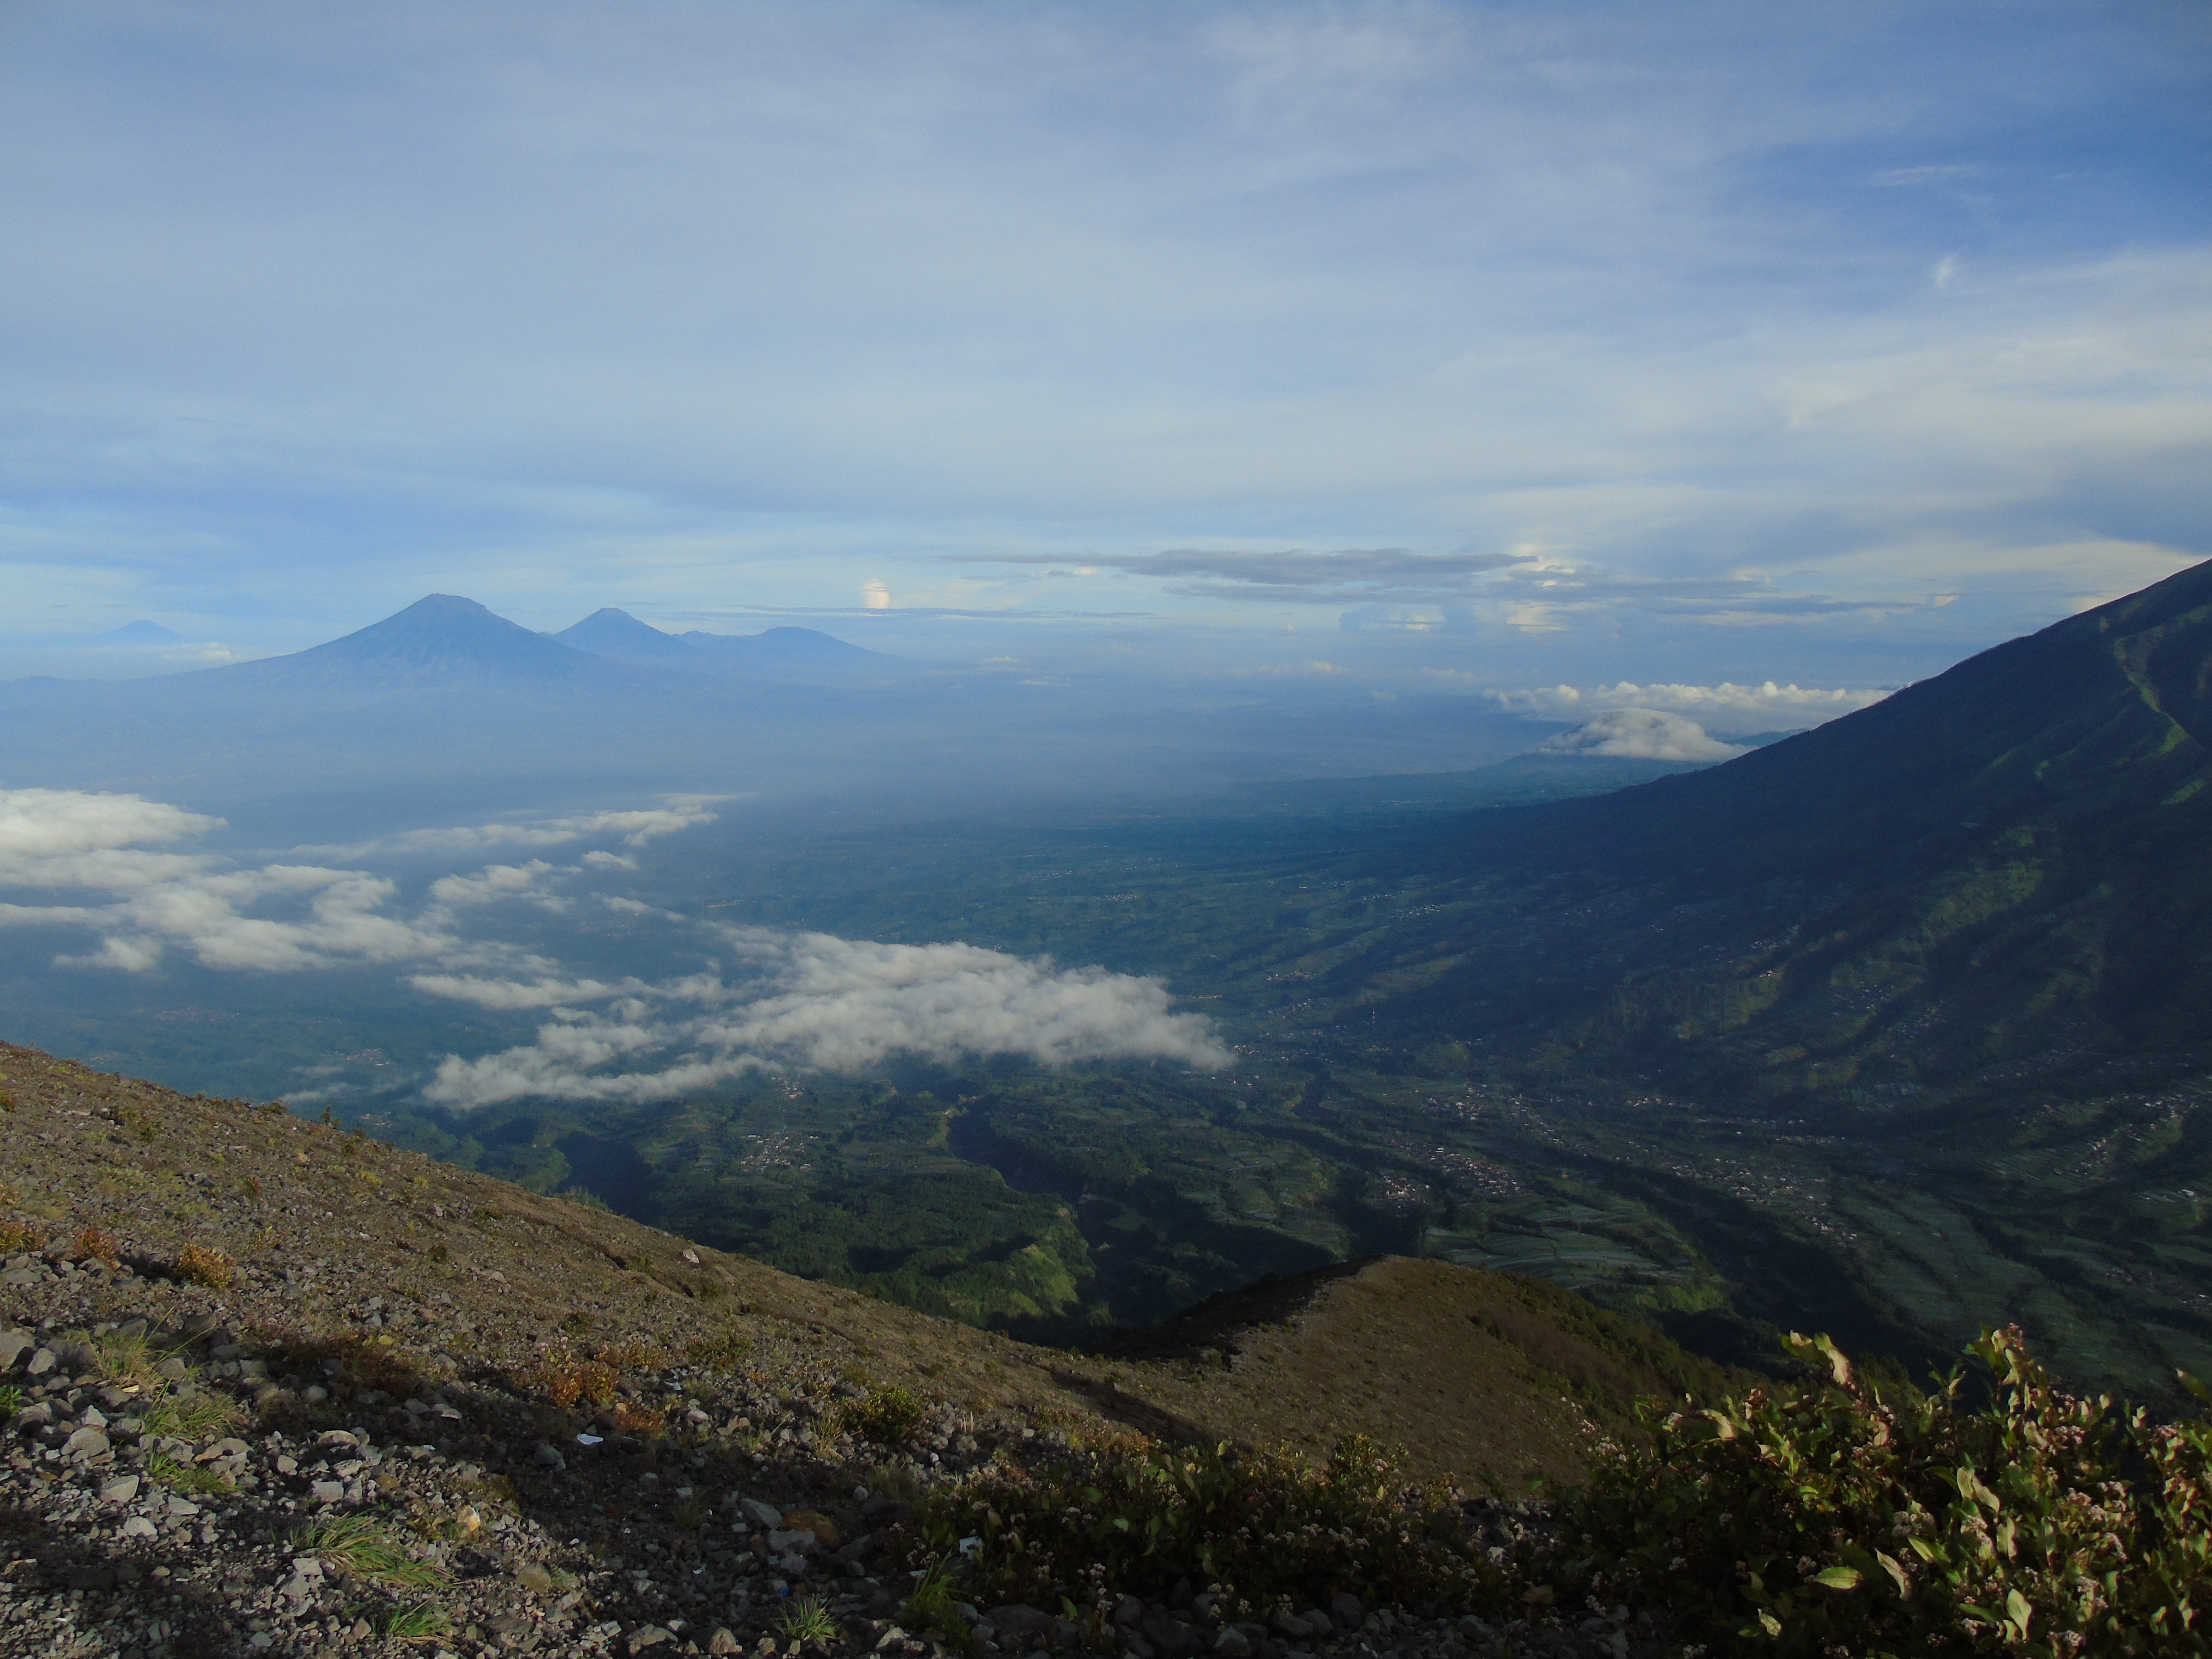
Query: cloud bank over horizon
[(773, 999)]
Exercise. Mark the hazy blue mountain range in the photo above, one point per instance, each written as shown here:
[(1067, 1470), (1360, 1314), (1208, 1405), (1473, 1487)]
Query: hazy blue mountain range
[(787, 654), (138, 633), (447, 708)]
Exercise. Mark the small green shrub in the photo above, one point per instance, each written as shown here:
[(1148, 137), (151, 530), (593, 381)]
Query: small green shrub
[(807, 1620), (1826, 1518), (202, 1264), (888, 1416), (11, 1399), (1265, 1526), (726, 1351)]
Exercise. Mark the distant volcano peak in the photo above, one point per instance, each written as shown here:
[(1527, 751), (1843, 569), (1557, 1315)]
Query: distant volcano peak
[(441, 637)]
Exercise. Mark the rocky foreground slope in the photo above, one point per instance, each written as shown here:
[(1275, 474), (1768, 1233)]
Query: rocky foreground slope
[(277, 1388)]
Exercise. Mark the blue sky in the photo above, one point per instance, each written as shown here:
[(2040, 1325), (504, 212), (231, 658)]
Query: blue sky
[(1525, 344)]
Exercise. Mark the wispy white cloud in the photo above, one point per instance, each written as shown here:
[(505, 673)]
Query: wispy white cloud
[(633, 828), (817, 1001), (1724, 707)]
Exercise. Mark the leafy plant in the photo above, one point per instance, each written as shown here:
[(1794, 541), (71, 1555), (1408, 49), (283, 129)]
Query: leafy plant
[(200, 1264), (888, 1416), (11, 1399), (1825, 1518), (359, 1545), (95, 1244), (1266, 1526), (807, 1620), (16, 1236)]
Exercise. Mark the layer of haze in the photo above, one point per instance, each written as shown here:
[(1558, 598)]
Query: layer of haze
[(1521, 346)]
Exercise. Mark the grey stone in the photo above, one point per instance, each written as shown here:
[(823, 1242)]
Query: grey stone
[(1019, 1618), (1233, 1643), (766, 1516), (14, 1345), (328, 1492), (42, 1361), (182, 1506), (1346, 1610), (799, 1540), (138, 1527), (548, 1457), (722, 1641), (121, 1490), (533, 1577), (1173, 1637), (174, 1368), (1290, 1627), (86, 1445), (1133, 1643), (649, 1636), (1128, 1611)]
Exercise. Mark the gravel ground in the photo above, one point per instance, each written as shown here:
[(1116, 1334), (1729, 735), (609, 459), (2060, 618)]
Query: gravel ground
[(269, 1388)]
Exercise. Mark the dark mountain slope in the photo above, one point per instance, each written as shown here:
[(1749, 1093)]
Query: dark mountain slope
[(2003, 864), (2106, 716)]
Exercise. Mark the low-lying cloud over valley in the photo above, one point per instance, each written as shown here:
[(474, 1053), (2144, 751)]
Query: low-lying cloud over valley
[(738, 999)]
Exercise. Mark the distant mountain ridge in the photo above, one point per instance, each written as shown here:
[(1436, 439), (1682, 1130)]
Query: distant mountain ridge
[(437, 641), (782, 653)]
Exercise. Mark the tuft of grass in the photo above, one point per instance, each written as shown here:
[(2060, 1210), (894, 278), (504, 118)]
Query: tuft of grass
[(129, 1359), (200, 1264), (141, 1125), (11, 1399), (95, 1244), (195, 1416), (807, 1620), (362, 1546), (888, 1416), (178, 1476), (935, 1606), (16, 1236), (437, 1252), (689, 1513), (425, 1621)]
